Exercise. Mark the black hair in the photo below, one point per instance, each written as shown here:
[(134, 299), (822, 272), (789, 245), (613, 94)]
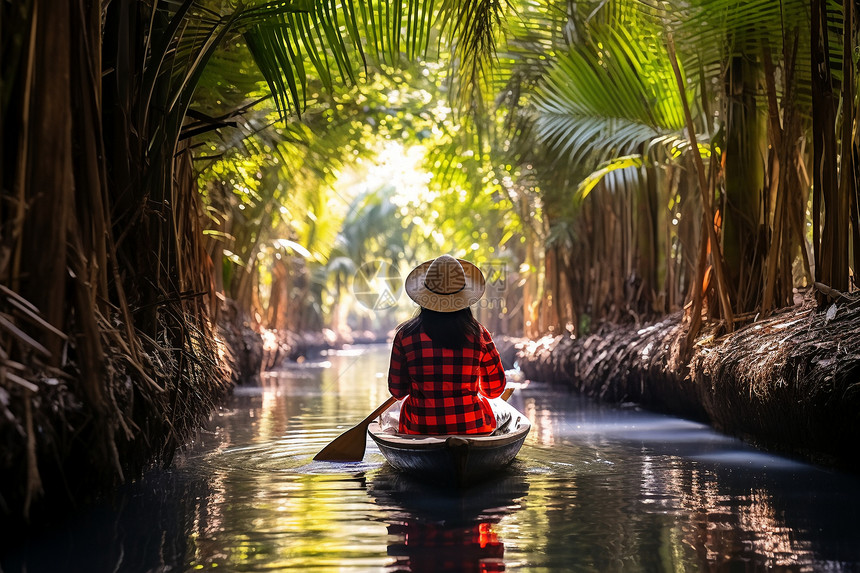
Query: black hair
[(447, 329)]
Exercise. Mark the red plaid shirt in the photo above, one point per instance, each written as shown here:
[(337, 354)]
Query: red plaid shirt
[(442, 386)]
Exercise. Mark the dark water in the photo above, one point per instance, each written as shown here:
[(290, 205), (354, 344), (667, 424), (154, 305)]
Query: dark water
[(595, 488)]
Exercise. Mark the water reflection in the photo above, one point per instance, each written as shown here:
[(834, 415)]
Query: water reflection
[(595, 488), (652, 492), (140, 529), (432, 529)]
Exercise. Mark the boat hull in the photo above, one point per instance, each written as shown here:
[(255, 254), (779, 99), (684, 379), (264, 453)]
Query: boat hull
[(452, 460)]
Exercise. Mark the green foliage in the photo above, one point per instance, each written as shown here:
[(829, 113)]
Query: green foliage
[(585, 102), (336, 40), (607, 169), (612, 95)]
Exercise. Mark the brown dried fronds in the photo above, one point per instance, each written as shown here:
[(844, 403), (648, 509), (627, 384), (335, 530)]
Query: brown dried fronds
[(790, 381), (791, 377), (59, 444)]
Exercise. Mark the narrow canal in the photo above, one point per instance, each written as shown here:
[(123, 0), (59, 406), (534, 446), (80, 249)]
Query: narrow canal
[(595, 488)]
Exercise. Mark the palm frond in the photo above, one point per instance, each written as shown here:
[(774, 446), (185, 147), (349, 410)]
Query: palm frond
[(287, 36), (709, 33), (473, 28), (626, 162), (615, 93), (334, 40)]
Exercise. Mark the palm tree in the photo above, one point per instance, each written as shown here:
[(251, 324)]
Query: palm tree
[(611, 115), (608, 102), (104, 271), (835, 174)]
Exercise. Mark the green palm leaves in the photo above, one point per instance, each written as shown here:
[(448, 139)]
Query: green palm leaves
[(334, 39), (614, 91), (308, 32), (610, 96)]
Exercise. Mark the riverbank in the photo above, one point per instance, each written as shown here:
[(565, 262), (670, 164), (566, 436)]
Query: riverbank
[(62, 447), (789, 383), (280, 347), (248, 351), (67, 436)]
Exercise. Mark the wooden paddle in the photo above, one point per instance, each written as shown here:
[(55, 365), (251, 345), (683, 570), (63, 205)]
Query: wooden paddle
[(350, 445)]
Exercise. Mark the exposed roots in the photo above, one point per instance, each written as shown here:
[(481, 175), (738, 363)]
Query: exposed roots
[(64, 437), (789, 382)]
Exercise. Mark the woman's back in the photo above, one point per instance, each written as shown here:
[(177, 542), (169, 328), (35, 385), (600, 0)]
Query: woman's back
[(443, 362), (445, 387)]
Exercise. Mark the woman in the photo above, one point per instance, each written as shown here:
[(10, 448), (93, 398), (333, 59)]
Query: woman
[(443, 361)]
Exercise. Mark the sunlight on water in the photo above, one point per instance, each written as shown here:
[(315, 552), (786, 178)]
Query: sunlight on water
[(595, 488)]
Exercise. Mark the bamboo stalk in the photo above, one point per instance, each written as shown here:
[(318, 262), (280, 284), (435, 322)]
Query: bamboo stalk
[(49, 192), (778, 215), (21, 184), (716, 253), (848, 184), (824, 167), (34, 480)]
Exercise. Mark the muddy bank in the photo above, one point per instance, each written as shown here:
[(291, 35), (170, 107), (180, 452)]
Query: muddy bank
[(242, 351), (250, 350), (66, 437), (789, 383), (287, 346)]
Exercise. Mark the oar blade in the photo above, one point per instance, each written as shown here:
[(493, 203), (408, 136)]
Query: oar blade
[(347, 447)]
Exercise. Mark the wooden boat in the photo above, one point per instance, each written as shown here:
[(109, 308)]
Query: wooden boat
[(459, 460)]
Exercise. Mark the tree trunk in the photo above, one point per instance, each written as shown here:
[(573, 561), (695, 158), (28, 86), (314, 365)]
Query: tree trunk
[(649, 261), (47, 193), (830, 245), (743, 244)]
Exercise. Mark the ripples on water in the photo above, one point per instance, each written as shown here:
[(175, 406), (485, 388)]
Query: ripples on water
[(595, 488)]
